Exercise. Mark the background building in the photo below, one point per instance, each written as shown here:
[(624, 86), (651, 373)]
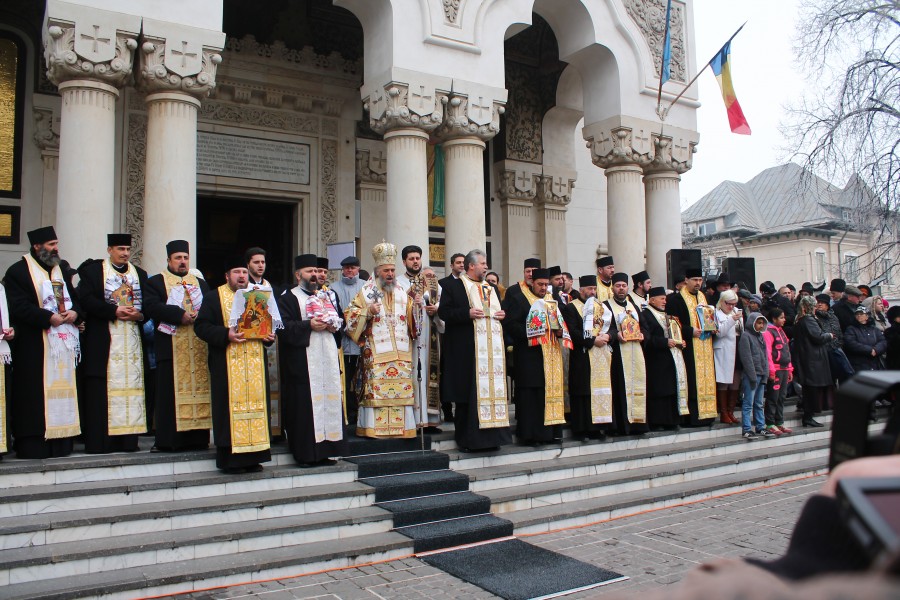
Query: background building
[(797, 227)]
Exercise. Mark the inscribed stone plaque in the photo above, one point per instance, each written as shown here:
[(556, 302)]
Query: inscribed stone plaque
[(252, 158)]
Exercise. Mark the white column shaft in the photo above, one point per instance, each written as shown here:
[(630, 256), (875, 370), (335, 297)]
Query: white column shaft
[(464, 195), (170, 186), (625, 223), (85, 211), (407, 188), (661, 192), (553, 236)]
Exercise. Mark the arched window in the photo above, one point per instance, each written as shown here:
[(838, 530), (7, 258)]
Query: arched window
[(12, 99)]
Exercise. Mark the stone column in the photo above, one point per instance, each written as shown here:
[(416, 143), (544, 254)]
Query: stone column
[(472, 119), (88, 53), (405, 111), (177, 69), (371, 189), (553, 197), (672, 156), (48, 141)]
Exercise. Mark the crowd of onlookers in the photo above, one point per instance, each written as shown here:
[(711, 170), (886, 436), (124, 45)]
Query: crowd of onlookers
[(784, 341)]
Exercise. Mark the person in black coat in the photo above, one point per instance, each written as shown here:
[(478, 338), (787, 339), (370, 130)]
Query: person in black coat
[(892, 337), (811, 367), (459, 347), (174, 320), (294, 343), (101, 308), (864, 343), (845, 308), (662, 376)]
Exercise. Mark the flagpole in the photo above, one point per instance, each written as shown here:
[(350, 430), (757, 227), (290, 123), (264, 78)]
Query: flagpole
[(662, 57), (663, 112)]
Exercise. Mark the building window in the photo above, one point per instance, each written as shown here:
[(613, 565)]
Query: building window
[(708, 228), (819, 266), (851, 268), (12, 97), (887, 267), (845, 214)]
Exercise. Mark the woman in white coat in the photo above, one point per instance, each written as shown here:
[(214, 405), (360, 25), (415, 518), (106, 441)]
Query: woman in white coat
[(728, 376)]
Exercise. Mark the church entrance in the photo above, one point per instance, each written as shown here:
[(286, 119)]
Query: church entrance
[(226, 228)]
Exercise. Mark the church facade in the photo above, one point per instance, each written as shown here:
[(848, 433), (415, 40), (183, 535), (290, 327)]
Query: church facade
[(523, 127)]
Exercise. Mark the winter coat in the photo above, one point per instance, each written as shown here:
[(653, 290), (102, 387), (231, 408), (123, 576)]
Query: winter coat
[(811, 349), (725, 347), (892, 337), (830, 324), (859, 341), (778, 350), (844, 311), (752, 350)]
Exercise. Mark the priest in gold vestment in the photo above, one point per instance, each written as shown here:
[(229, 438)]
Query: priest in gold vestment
[(381, 320), (698, 354), (239, 378)]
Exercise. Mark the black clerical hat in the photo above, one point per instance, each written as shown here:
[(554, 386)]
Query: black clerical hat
[(305, 261), (540, 274), (640, 277), (532, 263), (409, 250), (824, 299), (620, 277), (350, 261), (42, 235), (118, 239), (691, 273), (605, 261), (587, 281), (554, 271), (837, 285), (234, 262), (321, 262), (656, 291), (178, 246)]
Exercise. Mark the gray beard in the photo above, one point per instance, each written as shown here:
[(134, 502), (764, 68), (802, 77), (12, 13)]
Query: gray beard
[(383, 285), (48, 258), (309, 286)]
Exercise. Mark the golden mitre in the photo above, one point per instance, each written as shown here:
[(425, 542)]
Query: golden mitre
[(385, 253)]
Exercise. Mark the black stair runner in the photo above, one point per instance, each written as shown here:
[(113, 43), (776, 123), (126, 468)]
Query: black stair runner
[(431, 504)]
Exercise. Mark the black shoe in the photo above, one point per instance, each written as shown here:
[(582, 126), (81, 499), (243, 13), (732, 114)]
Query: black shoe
[(433, 429), (812, 423)]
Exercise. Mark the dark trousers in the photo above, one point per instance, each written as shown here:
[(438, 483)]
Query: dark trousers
[(351, 363), (776, 392)]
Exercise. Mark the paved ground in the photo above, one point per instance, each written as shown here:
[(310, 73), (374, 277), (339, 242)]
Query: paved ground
[(653, 549)]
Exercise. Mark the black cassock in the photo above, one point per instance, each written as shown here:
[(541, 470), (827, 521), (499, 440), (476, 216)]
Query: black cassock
[(296, 397), (662, 378), (580, 417), (168, 438), (211, 328), (459, 371), (621, 424), (529, 373), (98, 314), (25, 409), (676, 307)]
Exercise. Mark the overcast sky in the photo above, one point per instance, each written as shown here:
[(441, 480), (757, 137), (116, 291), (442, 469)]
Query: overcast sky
[(765, 79)]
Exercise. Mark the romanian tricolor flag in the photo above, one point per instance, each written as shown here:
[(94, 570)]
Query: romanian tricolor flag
[(721, 66)]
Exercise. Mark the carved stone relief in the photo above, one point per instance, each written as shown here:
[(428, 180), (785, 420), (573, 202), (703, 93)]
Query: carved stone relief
[(44, 135), (524, 112), (134, 183), (187, 68), (328, 191), (451, 11), (371, 168), (554, 191), (71, 57), (650, 16), (253, 115)]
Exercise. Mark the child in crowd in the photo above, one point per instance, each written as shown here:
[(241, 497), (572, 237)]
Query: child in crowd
[(755, 366), (781, 372)]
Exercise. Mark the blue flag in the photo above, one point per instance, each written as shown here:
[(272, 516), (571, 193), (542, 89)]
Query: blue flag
[(665, 71)]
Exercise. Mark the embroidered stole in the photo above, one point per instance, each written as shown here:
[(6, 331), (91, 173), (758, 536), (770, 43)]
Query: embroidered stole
[(704, 363), (490, 356), (668, 324), (554, 403), (126, 406), (387, 356), (246, 388), (190, 365), (634, 369), (604, 292), (596, 321), (61, 418)]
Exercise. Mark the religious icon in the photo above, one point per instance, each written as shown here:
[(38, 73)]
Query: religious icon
[(553, 314), (431, 284), (631, 328), (675, 330), (598, 319), (186, 303), (256, 321), (707, 316), (485, 290), (59, 295), (124, 294)]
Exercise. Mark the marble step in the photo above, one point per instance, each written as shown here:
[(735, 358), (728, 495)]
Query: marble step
[(94, 523), (213, 571), (38, 499), (527, 471), (583, 512), (66, 559), (531, 495)]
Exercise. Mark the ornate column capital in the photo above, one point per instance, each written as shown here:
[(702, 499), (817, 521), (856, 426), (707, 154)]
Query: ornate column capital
[(624, 140), (554, 192), (407, 100), (475, 115), (618, 145), (516, 185), (673, 152), (44, 135), (371, 168), (175, 58), (88, 43)]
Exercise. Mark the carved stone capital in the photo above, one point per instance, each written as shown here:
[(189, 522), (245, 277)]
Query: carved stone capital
[(371, 167), (398, 105), (624, 140), (672, 153), (177, 58), (619, 146), (554, 192), (477, 116), (89, 43), (517, 185), (44, 135)]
